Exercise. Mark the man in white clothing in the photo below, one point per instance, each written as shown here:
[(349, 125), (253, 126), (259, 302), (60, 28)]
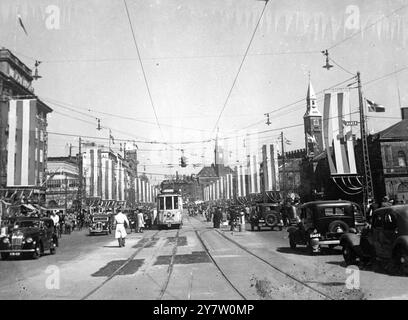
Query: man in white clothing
[(120, 232)]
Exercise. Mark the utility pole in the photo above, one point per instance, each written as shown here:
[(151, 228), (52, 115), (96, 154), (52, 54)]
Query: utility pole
[(80, 186), (66, 192), (283, 165), (367, 178)]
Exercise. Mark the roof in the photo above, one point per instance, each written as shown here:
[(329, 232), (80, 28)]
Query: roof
[(396, 131), (209, 171)]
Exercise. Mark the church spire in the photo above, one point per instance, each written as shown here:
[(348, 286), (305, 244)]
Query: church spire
[(311, 105)]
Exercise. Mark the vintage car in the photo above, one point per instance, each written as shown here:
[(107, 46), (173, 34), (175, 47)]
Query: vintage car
[(100, 223), (27, 236), (323, 223), (266, 215), (386, 238)]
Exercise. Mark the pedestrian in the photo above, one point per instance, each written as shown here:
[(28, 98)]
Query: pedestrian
[(140, 222), (372, 206), (217, 218), (386, 202), (121, 222)]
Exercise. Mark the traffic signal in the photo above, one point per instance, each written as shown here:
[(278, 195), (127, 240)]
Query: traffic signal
[(183, 161)]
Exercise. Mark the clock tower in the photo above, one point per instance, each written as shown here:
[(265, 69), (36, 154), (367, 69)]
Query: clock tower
[(312, 124)]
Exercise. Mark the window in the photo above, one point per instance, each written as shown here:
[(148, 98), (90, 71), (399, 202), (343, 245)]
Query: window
[(402, 160), (161, 203), (389, 222), (328, 212), (316, 122), (169, 203), (175, 202)]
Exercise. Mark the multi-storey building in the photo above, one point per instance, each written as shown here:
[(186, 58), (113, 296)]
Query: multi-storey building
[(62, 182), (23, 132)]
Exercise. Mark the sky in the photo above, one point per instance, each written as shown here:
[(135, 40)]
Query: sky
[(191, 51)]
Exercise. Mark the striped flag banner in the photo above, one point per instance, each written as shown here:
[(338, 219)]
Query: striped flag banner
[(337, 132)]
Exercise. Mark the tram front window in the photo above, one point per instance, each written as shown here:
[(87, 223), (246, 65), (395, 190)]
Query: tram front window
[(176, 202), (161, 203), (169, 203)]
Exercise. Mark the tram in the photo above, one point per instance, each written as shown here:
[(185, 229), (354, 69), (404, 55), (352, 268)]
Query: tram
[(169, 209)]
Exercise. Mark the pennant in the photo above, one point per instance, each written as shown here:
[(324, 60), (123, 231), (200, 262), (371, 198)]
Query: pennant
[(112, 138), (375, 107), (22, 24)]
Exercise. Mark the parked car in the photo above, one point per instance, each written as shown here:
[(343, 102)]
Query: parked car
[(266, 215), (28, 236), (322, 223), (386, 238), (100, 223)]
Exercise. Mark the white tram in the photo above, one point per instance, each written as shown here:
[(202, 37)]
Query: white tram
[(169, 209)]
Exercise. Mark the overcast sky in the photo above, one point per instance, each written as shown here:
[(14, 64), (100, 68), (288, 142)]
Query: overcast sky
[(191, 51)]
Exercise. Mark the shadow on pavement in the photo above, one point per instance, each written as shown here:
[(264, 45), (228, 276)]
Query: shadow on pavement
[(304, 251)]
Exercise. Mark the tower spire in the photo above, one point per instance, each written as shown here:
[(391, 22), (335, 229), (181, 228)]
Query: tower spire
[(311, 101)]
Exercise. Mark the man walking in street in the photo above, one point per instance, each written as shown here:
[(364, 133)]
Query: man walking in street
[(120, 231), (140, 222)]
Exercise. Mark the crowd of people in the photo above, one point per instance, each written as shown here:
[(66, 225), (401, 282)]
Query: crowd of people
[(236, 215)]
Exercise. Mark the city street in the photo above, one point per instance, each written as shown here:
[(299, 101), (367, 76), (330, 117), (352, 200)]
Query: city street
[(195, 262)]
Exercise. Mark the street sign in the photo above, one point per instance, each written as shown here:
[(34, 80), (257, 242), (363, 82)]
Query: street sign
[(350, 123)]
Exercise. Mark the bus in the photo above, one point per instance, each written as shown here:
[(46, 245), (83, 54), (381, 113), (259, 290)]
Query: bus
[(169, 209)]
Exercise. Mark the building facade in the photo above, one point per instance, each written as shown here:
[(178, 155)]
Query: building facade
[(62, 182), (23, 132)]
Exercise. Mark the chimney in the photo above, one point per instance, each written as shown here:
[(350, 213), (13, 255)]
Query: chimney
[(404, 113)]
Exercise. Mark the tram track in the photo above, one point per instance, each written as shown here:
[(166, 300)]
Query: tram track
[(131, 257), (170, 268), (249, 252)]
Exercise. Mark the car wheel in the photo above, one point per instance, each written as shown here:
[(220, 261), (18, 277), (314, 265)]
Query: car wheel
[(292, 242), (5, 255), (252, 227), (271, 219), (349, 255), (37, 252), (52, 248), (338, 224), (402, 260)]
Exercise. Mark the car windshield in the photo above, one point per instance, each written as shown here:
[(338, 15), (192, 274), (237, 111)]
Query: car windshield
[(27, 224)]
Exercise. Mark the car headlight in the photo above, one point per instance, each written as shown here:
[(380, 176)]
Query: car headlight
[(6, 240), (29, 240)]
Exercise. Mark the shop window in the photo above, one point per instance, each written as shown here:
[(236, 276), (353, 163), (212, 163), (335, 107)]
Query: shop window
[(402, 160)]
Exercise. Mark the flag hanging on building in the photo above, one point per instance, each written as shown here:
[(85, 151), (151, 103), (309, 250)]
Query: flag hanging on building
[(375, 107), (311, 138), (338, 137)]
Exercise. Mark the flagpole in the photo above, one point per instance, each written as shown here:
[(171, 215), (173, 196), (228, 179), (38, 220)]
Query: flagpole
[(110, 135), (367, 178)]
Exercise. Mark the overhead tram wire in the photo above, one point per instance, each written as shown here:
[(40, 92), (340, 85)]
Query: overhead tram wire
[(236, 136), (143, 70), (240, 66), (367, 27), (75, 109), (295, 104), (193, 57)]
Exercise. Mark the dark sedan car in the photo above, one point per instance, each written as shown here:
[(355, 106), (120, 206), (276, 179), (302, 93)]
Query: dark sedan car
[(386, 238), (28, 236), (323, 223)]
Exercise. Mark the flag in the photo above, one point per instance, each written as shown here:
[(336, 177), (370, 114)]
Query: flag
[(311, 139), (113, 139), (22, 24), (375, 107)]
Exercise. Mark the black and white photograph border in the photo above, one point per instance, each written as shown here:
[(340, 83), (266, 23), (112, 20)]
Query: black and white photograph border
[(205, 152)]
